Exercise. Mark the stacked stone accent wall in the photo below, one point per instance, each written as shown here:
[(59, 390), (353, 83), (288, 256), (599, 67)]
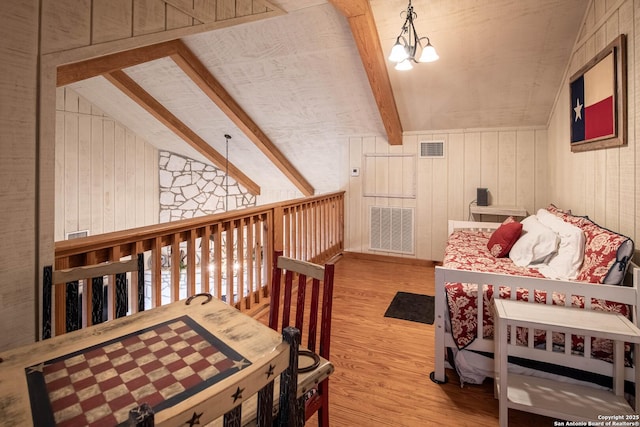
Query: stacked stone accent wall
[(189, 188)]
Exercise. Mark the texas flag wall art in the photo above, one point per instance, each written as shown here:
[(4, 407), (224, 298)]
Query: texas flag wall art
[(594, 102), (593, 106)]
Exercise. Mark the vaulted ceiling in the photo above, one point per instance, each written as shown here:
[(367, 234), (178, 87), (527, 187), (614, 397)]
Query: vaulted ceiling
[(294, 87)]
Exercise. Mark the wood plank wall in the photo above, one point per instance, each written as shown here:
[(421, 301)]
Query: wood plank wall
[(72, 24), (107, 177), (602, 184), (18, 170), (511, 163)]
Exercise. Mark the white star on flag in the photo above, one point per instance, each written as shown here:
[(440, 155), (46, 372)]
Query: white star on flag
[(578, 110)]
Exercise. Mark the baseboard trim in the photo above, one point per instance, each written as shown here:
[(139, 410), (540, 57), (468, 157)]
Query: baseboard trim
[(390, 259)]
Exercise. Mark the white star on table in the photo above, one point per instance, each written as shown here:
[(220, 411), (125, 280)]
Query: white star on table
[(240, 364), (36, 368), (578, 109)]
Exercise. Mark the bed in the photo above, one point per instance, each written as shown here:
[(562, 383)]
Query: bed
[(459, 309)]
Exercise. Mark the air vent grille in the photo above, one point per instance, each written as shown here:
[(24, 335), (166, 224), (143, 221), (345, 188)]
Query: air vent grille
[(77, 234), (392, 229), (431, 149)]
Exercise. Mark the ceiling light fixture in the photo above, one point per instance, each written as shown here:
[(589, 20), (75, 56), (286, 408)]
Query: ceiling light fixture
[(405, 49)]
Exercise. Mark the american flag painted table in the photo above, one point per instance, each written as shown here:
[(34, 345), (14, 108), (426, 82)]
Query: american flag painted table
[(184, 361)]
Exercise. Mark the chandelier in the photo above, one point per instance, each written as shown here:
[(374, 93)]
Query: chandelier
[(405, 49)]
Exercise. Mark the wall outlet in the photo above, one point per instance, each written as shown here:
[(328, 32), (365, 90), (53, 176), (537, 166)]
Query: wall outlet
[(355, 171)]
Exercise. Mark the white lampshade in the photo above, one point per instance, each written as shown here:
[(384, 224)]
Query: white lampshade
[(398, 53), (429, 54), (404, 65)]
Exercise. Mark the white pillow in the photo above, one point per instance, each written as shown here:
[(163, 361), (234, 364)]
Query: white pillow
[(565, 264), (536, 243)]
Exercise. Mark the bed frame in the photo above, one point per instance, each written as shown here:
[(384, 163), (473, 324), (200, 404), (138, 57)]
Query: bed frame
[(624, 294)]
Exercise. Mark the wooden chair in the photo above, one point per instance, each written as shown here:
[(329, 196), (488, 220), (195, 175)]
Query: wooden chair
[(66, 283), (312, 316)]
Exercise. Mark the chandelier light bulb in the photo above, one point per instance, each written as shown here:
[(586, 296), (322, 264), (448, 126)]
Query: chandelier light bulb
[(429, 53), (398, 52), (404, 65)]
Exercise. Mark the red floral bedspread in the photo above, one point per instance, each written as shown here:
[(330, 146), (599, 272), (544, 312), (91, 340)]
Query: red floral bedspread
[(467, 250)]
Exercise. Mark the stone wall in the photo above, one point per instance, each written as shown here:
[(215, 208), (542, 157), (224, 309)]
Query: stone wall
[(189, 188)]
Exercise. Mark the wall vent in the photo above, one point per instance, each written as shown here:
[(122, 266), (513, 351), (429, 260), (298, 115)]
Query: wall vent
[(432, 149), (77, 234), (391, 229)]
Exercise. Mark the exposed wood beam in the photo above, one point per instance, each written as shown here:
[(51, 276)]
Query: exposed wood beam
[(193, 68), (365, 34), (71, 73), (126, 84)]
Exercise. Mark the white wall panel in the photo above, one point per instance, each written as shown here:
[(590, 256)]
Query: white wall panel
[(510, 162), (106, 176)]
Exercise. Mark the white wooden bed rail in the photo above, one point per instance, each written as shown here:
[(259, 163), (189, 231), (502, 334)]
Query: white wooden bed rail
[(443, 339)]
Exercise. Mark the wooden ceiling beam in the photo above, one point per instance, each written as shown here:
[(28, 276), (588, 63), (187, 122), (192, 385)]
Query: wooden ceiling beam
[(201, 76), (126, 84), (365, 34), (78, 71)]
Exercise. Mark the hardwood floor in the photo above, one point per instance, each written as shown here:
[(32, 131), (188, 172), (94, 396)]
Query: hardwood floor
[(383, 364)]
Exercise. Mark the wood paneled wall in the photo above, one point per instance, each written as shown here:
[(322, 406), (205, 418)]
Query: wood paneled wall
[(511, 163), (71, 24), (106, 176), (602, 184), (18, 171)]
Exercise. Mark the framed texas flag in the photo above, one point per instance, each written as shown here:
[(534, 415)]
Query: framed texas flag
[(598, 100)]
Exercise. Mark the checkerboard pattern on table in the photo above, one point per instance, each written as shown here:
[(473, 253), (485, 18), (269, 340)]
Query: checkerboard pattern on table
[(160, 366)]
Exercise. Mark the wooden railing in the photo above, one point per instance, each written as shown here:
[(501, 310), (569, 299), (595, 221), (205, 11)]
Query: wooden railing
[(227, 255)]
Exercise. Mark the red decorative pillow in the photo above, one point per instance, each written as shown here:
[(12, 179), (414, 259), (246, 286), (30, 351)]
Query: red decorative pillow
[(503, 238)]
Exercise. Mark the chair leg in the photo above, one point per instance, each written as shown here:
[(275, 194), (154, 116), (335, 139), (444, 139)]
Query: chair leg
[(323, 412)]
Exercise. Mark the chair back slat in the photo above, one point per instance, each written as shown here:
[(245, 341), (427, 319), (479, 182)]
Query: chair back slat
[(47, 306), (313, 315), (302, 287), (122, 298), (140, 282), (97, 300), (72, 303), (274, 310), (327, 306), (286, 314)]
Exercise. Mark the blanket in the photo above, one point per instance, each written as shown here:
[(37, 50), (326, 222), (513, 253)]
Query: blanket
[(467, 250)]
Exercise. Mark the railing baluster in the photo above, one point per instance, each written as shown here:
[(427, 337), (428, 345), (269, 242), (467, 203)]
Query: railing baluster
[(191, 263), (205, 286), (240, 302), (176, 261), (251, 267), (229, 233), (218, 261)]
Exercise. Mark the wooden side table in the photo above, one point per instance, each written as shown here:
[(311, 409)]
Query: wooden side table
[(478, 211), (553, 398)]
